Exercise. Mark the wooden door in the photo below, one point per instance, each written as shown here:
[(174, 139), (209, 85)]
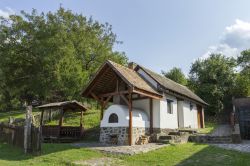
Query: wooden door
[(199, 116)]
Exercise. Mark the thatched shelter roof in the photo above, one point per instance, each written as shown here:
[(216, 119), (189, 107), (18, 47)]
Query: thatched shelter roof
[(71, 105)]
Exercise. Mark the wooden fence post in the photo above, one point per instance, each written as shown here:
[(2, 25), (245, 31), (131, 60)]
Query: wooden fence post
[(27, 130)]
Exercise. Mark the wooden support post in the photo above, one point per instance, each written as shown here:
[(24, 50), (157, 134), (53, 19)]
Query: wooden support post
[(130, 136), (151, 115), (102, 109), (203, 117), (27, 130), (41, 119), (60, 122), (81, 129)]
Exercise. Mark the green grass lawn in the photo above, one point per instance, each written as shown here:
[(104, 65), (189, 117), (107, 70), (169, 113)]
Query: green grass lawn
[(190, 155), (209, 128), (52, 154), (91, 119), (186, 154), (4, 116)]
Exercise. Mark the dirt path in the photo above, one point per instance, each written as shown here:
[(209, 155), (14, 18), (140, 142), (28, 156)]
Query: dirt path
[(104, 161)]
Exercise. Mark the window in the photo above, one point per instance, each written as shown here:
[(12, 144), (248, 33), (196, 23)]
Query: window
[(170, 106), (191, 106), (113, 118)]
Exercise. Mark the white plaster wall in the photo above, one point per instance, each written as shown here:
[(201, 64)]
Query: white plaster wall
[(190, 116), (156, 113), (140, 118), (144, 105), (167, 120)]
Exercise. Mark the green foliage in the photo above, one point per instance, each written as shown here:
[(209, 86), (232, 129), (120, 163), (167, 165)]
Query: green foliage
[(243, 77), (209, 128), (176, 75), (51, 56), (213, 79)]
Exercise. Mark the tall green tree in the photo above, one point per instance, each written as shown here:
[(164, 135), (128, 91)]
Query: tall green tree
[(213, 79), (51, 56), (176, 75), (242, 88)]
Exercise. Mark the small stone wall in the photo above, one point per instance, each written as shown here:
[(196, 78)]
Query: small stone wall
[(210, 139), (122, 134)]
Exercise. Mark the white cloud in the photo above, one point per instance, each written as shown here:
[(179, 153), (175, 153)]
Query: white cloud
[(6, 12), (234, 39)]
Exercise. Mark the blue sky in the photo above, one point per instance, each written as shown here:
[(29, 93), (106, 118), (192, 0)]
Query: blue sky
[(161, 34)]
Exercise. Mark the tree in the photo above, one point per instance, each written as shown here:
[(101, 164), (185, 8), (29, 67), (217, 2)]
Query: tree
[(52, 54), (213, 79), (176, 75), (242, 88)]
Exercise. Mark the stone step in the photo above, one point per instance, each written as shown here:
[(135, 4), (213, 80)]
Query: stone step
[(164, 141), (174, 133), (164, 137), (177, 133)]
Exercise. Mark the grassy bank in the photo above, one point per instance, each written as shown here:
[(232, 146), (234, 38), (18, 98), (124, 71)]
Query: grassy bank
[(184, 155)]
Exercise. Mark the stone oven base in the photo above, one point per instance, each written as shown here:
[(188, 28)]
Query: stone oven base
[(108, 134), (119, 135)]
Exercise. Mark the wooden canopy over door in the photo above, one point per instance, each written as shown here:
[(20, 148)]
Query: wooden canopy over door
[(115, 80)]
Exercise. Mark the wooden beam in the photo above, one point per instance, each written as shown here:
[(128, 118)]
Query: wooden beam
[(106, 101), (96, 98), (130, 136), (125, 99), (117, 85), (145, 93), (140, 98), (151, 115), (95, 81), (113, 93)]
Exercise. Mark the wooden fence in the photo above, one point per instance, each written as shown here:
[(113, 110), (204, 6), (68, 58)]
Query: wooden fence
[(14, 135)]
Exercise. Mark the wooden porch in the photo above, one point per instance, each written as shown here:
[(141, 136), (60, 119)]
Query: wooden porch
[(60, 132)]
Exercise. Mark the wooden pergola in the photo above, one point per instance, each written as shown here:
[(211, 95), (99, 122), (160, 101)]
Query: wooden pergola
[(59, 131), (120, 85)]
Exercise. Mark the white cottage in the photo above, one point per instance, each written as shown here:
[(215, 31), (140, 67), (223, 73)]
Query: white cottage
[(142, 103)]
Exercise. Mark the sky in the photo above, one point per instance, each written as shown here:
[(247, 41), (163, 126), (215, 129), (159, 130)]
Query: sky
[(161, 34)]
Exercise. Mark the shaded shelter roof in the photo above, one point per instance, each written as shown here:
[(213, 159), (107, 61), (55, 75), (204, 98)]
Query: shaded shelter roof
[(104, 80), (72, 105), (171, 85), (242, 102)]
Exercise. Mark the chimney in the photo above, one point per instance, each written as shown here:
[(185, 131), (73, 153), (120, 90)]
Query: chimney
[(132, 65)]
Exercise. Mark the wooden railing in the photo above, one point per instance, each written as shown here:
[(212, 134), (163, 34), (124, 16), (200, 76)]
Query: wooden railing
[(63, 131)]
